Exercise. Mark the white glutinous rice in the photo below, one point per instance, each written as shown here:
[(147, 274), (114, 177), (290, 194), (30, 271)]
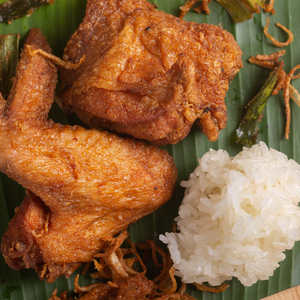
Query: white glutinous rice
[(237, 217)]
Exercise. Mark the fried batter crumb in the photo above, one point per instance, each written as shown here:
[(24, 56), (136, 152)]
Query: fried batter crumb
[(189, 4)]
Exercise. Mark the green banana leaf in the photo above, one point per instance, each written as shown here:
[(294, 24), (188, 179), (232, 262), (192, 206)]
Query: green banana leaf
[(59, 20)]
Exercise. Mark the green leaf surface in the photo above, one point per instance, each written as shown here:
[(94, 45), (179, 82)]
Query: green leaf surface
[(60, 20)]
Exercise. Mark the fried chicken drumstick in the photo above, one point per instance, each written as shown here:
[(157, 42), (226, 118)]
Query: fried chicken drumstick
[(82, 185), (148, 73)]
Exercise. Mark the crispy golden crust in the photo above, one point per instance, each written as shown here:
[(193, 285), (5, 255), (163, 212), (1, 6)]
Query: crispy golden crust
[(93, 183), (20, 246), (148, 73)]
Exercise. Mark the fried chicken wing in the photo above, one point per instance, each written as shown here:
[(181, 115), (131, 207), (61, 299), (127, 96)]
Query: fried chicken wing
[(147, 73), (82, 185)]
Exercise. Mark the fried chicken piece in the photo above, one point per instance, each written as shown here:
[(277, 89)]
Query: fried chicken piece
[(83, 185), (147, 73)]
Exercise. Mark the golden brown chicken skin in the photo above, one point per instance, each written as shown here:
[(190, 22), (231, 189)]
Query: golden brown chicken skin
[(147, 73), (82, 185)]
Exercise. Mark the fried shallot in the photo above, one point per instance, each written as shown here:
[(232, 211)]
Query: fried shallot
[(122, 271), (286, 94), (275, 41), (213, 289), (237, 9), (269, 7)]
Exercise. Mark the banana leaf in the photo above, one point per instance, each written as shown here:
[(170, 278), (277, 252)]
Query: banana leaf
[(59, 21)]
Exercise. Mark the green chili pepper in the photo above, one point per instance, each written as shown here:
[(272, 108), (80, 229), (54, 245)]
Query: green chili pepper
[(247, 131)]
